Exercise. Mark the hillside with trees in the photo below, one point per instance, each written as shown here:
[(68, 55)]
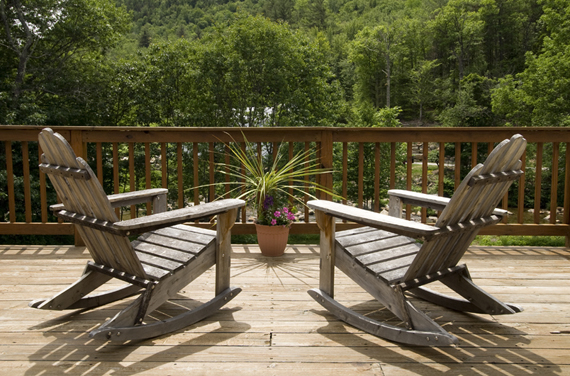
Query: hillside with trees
[(285, 62)]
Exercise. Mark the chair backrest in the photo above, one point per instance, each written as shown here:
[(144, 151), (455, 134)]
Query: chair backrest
[(474, 200), (81, 193)]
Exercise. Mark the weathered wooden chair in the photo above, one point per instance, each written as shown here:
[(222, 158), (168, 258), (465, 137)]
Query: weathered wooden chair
[(386, 259), (165, 258)]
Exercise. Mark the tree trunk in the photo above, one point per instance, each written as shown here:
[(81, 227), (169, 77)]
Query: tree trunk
[(388, 77), (23, 52)]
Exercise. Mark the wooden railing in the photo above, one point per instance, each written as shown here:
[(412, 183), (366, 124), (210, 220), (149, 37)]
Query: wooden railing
[(366, 162)]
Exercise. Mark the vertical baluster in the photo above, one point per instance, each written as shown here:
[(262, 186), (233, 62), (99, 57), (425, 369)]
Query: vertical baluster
[(164, 165), (554, 182), (196, 169), (227, 176), (179, 166), (567, 192), (27, 182), (43, 189), (326, 162), (276, 146), (132, 186), (425, 149), (409, 163), (10, 181), (344, 174), (392, 165), (118, 211), (212, 170), (521, 183), (360, 173), (457, 165), (99, 161), (148, 183), (306, 178), (318, 177), (290, 156), (377, 177), (244, 211), (441, 172), (538, 182)]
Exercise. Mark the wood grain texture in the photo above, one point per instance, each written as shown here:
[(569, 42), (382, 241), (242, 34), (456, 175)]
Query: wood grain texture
[(274, 327), (388, 261), (164, 259)]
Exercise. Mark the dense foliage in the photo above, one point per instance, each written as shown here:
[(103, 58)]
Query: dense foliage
[(51, 52), (284, 62), (361, 63)]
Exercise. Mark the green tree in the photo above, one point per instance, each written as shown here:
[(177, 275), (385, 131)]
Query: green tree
[(509, 30), (422, 84), (44, 41), (253, 72), (540, 96), (368, 54), (457, 30), (261, 73), (279, 10)]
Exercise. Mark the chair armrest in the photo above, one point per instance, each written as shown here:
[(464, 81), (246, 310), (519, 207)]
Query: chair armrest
[(157, 196), (399, 197), (155, 221), (368, 218), (419, 199)]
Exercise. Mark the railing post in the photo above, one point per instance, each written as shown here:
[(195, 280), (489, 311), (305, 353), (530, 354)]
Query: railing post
[(327, 161), (11, 136), (567, 194), (80, 149)]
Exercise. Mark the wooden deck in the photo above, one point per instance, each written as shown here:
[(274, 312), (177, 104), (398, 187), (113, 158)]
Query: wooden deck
[(274, 327)]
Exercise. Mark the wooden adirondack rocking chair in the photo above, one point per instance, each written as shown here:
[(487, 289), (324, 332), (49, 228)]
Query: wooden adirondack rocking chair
[(165, 258), (385, 259)]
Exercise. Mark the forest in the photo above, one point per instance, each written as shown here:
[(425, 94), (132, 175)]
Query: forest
[(285, 62)]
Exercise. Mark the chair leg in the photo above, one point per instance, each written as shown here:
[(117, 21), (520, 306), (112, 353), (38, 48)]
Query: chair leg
[(163, 290), (462, 283), (134, 313), (114, 332), (445, 300), (97, 300), (435, 336), (67, 298)]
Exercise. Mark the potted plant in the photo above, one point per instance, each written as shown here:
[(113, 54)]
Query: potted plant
[(271, 190), (272, 226)]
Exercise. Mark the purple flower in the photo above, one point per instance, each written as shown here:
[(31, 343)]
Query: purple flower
[(290, 216), (277, 214), (285, 210), (273, 222), (268, 202)]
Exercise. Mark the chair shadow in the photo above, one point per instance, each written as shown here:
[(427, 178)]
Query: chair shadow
[(73, 352), (500, 354)]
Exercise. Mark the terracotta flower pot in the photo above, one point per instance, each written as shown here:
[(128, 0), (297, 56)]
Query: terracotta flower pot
[(272, 240)]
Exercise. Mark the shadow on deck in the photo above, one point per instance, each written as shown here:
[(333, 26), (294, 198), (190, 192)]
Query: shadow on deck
[(274, 327)]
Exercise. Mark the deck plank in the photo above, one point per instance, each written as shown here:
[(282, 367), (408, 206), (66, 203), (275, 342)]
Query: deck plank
[(274, 327)]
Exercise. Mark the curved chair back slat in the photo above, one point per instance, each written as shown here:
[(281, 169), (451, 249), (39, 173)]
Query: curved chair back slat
[(83, 194), (470, 202)]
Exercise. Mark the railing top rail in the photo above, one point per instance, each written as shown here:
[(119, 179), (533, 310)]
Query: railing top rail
[(297, 134)]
